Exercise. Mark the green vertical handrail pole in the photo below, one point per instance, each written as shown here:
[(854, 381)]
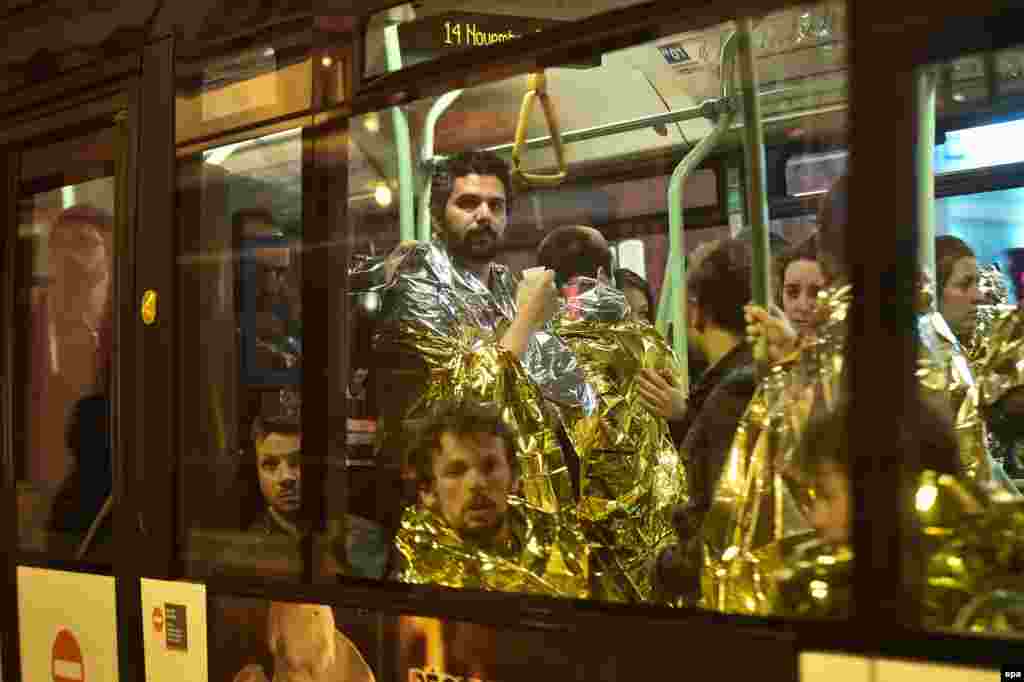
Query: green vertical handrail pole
[(437, 110), (925, 162), (672, 306), (666, 312), (403, 142), (753, 146)]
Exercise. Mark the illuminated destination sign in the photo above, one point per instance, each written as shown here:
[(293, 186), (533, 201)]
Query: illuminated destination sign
[(426, 38)]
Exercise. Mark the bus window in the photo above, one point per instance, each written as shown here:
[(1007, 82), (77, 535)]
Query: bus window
[(240, 269), (971, 245), (531, 434), (65, 280)]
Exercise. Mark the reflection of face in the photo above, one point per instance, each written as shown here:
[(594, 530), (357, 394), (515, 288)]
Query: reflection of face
[(961, 296), (831, 512), (475, 218), (278, 463), (82, 273), (639, 310), (472, 480), (801, 282), (273, 268)]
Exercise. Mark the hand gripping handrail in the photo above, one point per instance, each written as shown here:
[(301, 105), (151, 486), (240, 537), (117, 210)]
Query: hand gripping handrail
[(673, 301), (437, 110), (537, 88)]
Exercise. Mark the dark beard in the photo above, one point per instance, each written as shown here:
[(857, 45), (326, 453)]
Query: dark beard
[(473, 249)]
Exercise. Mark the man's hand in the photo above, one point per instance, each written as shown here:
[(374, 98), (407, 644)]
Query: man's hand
[(537, 299), (660, 394), (769, 332)]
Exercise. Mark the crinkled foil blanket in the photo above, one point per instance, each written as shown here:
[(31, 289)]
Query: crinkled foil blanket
[(756, 518), (581, 372), (631, 475), (971, 551), (541, 555)]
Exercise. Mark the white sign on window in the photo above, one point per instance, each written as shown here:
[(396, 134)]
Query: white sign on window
[(68, 626), (174, 630)]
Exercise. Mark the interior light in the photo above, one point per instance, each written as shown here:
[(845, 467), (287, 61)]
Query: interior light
[(269, 52), (985, 145), (220, 154), (925, 498), (382, 195), (959, 97), (326, 61), (372, 122)]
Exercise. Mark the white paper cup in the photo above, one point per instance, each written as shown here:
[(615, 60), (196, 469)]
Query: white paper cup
[(531, 273)]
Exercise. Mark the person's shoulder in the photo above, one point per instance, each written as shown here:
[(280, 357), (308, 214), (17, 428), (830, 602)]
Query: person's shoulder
[(743, 375)]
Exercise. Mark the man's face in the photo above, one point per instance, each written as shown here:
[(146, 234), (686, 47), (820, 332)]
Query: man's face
[(961, 297), (278, 463), (475, 218), (472, 481), (273, 267)]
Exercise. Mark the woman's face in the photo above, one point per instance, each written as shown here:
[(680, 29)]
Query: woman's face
[(801, 282), (961, 296), (639, 309)]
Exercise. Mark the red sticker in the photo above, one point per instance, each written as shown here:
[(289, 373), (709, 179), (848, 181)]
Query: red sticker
[(66, 662)]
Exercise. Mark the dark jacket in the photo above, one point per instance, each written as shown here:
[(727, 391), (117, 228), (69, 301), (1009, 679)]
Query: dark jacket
[(705, 433), (703, 436)]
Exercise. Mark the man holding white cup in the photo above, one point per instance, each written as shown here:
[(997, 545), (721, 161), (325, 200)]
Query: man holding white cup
[(456, 325)]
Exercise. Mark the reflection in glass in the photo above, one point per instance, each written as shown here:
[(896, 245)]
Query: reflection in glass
[(240, 211), (65, 276), (253, 640)]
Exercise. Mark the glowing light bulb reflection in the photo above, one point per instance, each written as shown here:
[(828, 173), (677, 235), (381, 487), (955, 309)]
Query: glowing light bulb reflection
[(371, 122), (925, 498), (382, 195)]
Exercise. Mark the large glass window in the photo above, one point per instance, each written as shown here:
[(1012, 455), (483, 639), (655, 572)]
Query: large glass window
[(969, 513), (530, 432), (240, 211), (63, 343)]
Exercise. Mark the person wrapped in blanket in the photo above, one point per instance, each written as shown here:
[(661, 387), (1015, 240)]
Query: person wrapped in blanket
[(761, 503), (454, 325), (470, 527), (963, 548), (704, 422), (631, 476), (975, 302), (816, 578)]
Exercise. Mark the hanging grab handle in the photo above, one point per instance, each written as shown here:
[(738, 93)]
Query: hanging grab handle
[(537, 87)]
